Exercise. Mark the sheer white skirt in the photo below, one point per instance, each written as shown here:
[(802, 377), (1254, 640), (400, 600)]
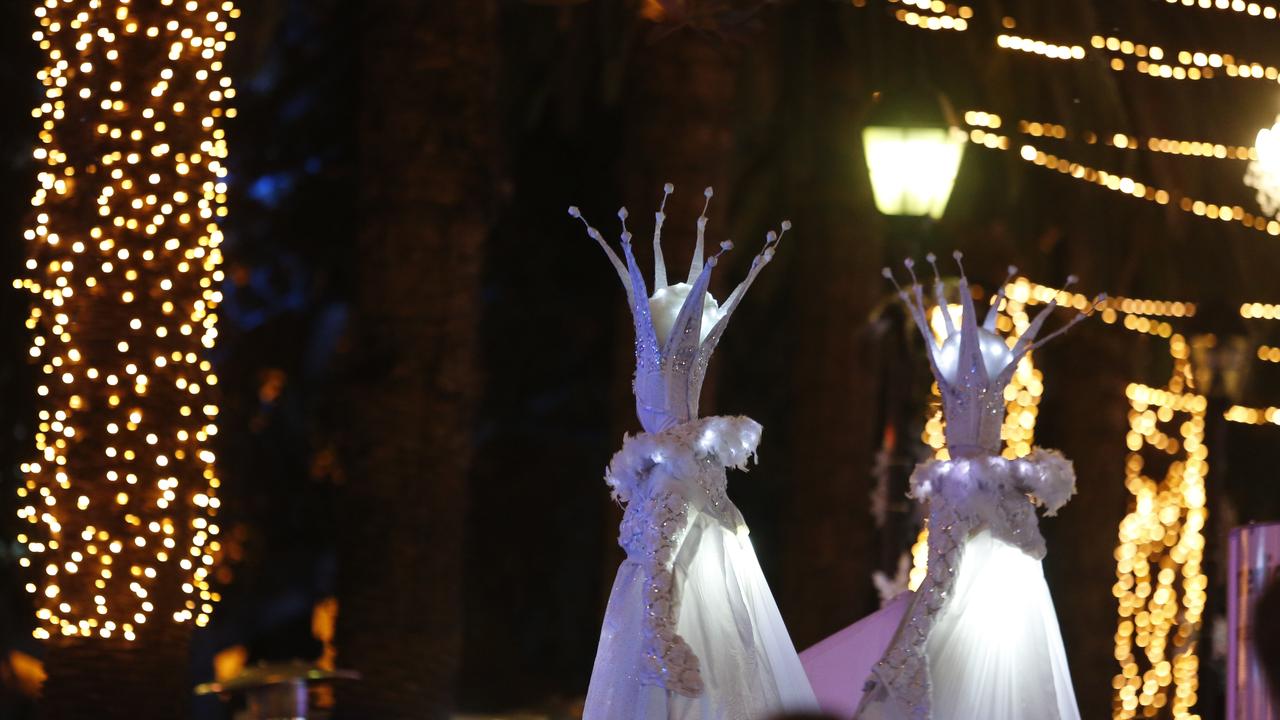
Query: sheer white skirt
[(995, 651), (750, 669)]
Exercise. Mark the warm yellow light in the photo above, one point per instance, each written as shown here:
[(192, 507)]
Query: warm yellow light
[(913, 169), (117, 471)]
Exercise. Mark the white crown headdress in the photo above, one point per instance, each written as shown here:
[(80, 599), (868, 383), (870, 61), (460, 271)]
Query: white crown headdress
[(974, 363), (678, 327)]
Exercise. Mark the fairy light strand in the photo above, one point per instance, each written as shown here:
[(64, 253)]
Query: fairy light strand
[(1252, 9), (1123, 141), (1160, 581), (933, 14), (123, 267), (1121, 54), (1128, 186)]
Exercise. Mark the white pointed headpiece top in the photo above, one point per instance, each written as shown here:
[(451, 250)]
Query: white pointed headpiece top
[(679, 325), (974, 363)]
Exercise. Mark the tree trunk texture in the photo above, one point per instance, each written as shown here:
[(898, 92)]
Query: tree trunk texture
[(426, 135), (147, 679), (832, 273)]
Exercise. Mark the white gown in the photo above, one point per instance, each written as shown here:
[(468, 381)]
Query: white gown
[(724, 612), (691, 631), (979, 640), (995, 650)]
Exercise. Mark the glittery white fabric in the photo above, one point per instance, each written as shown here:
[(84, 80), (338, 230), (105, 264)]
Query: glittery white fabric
[(691, 630), (980, 638)]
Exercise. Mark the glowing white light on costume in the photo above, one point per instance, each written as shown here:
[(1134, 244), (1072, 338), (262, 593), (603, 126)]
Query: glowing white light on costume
[(665, 304), (996, 355)]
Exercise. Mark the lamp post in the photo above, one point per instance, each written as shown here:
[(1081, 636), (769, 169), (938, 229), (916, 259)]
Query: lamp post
[(913, 151)]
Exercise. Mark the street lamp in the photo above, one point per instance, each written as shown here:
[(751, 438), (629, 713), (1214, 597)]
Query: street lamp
[(913, 154)]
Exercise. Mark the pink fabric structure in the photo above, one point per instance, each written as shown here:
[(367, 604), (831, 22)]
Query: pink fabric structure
[(839, 665)]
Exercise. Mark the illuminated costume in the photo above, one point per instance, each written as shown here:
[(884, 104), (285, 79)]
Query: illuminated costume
[(979, 639), (691, 630)]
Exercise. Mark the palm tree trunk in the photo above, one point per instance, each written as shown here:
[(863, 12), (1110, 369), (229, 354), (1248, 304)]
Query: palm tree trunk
[(426, 190)]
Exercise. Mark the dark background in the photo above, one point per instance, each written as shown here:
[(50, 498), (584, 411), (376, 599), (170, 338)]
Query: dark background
[(399, 175)]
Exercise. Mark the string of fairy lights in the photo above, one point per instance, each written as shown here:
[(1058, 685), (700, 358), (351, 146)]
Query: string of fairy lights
[(1160, 584), (1118, 182), (1121, 54), (1252, 9), (123, 268), (1196, 148), (1269, 415), (1160, 581)]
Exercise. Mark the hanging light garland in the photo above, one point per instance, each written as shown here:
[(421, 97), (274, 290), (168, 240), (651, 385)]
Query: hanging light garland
[(932, 14), (123, 270), (1266, 353), (1121, 54), (1123, 184), (1055, 131), (1269, 415), (1260, 311), (1252, 9)]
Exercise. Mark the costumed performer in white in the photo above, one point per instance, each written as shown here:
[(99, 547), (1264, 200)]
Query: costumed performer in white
[(691, 631)]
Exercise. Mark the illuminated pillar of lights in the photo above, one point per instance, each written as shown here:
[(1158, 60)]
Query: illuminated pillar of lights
[(118, 504), (1160, 583)]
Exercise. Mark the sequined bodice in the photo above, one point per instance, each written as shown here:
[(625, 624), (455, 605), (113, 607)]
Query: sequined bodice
[(665, 480)]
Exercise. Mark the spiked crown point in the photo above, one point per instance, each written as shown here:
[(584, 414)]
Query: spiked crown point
[(679, 325), (972, 363)]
